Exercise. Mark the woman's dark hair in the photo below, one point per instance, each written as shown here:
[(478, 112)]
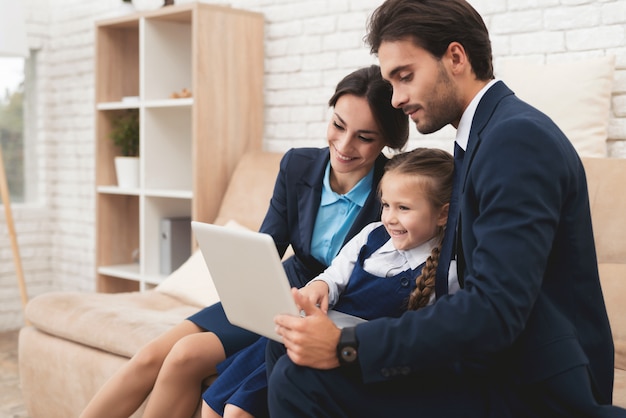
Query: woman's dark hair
[(435, 167), (368, 83), (433, 25)]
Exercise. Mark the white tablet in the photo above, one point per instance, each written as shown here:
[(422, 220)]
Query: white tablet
[(249, 278)]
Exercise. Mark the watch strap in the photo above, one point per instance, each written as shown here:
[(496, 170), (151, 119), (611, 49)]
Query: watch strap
[(347, 348)]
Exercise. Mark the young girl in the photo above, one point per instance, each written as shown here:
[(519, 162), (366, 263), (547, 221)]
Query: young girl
[(371, 277)]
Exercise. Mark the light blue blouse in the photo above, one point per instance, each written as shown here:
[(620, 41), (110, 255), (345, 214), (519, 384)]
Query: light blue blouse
[(336, 215)]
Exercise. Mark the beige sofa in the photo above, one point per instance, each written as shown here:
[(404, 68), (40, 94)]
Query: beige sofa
[(605, 177)]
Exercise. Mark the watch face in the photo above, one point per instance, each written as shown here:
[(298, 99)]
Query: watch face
[(348, 354)]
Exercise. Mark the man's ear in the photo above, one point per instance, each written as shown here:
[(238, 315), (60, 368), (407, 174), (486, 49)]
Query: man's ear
[(458, 57), (443, 215)]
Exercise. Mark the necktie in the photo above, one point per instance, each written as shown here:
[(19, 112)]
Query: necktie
[(447, 253)]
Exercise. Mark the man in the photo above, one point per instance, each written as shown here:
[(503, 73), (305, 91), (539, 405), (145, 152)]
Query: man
[(527, 335)]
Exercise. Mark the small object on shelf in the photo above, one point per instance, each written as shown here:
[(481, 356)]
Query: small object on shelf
[(147, 4), (130, 99), (175, 243), (183, 94), (136, 256), (127, 172)]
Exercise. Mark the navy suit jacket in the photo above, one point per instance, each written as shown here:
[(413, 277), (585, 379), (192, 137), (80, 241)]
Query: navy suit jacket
[(294, 205), (531, 306)]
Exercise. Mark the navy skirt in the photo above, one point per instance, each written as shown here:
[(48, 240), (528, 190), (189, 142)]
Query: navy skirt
[(233, 338)]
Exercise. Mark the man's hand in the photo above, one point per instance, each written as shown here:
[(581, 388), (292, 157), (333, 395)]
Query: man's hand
[(310, 341)]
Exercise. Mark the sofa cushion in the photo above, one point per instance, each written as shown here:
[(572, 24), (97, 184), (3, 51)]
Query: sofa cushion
[(619, 388), (613, 278), (605, 179), (120, 323), (191, 283), (575, 94)]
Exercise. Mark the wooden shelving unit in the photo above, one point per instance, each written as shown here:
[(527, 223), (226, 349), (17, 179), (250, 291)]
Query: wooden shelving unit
[(188, 146)]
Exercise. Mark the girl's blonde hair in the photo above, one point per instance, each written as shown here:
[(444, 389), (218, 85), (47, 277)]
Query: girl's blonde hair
[(436, 167)]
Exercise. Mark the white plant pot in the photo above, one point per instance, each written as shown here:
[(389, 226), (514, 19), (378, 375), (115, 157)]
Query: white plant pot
[(127, 171)]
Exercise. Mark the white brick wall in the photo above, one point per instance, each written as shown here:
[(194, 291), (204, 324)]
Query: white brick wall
[(309, 45)]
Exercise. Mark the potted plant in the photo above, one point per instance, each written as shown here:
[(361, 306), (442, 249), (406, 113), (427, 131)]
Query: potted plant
[(125, 136)]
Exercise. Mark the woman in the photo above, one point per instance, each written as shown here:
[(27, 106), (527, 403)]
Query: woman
[(322, 198)]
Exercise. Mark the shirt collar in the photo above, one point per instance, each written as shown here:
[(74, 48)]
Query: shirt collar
[(357, 195), (415, 256), (465, 124)]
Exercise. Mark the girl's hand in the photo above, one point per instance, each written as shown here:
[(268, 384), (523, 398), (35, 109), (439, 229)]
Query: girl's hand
[(317, 293)]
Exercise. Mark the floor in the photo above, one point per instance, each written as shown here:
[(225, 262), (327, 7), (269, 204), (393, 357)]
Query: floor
[(11, 403)]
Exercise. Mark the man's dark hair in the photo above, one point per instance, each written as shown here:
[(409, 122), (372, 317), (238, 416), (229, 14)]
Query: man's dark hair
[(433, 25)]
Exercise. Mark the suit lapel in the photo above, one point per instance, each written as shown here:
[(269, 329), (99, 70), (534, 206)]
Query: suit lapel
[(485, 110)]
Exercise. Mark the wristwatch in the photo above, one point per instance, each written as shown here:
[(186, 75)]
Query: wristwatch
[(347, 348)]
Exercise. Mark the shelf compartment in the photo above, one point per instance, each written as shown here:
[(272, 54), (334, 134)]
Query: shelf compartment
[(118, 239), (156, 209), (166, 149), (165, 58), (118, 228), (117, 61), (105, 148)]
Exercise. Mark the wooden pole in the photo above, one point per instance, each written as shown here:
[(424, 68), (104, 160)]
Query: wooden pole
[(4, 193)]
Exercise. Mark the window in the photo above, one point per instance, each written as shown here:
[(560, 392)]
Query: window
[(16, 117)]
